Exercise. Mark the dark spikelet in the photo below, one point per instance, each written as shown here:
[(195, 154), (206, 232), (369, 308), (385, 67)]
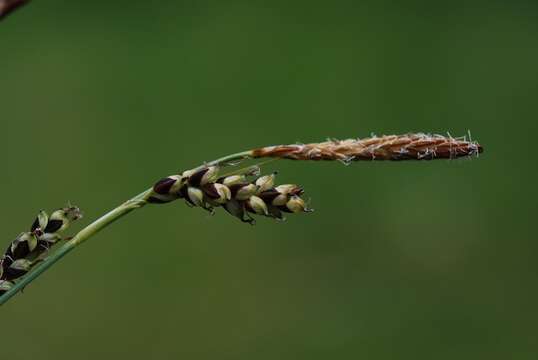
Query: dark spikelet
[(390, 147)]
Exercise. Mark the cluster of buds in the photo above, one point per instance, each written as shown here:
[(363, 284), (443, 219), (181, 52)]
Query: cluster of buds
[(29, 248), (235, 193)]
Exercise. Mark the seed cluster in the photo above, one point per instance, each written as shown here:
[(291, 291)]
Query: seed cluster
[(236, 194), (29, 248)]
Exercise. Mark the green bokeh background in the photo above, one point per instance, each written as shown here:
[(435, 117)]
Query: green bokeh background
[(429, 260)]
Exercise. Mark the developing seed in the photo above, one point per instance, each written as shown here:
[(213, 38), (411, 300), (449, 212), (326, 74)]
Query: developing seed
[(257, 206), (195, 196), (265, 183), (244, 192), (295, 205), (233, 180)]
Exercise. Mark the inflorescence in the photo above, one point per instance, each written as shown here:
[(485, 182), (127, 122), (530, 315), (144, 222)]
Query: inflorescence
[(240, 193), (235, 193), (30, 248)]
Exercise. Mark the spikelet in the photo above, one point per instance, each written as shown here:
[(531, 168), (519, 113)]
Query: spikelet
[(29, 247), (236, 194)]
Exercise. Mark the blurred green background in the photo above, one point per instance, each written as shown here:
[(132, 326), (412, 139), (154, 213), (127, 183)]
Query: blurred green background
[(429, 260)]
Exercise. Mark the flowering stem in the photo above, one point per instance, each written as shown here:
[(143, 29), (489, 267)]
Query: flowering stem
[(136, 202), (391, 147)]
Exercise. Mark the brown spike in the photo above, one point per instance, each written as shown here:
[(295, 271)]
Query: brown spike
[(389, 147)]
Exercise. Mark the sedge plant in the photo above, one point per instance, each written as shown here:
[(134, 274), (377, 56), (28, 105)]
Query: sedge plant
[(243, 193)]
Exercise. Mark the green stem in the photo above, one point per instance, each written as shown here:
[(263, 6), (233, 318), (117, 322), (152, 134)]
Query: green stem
[(96, 226)]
